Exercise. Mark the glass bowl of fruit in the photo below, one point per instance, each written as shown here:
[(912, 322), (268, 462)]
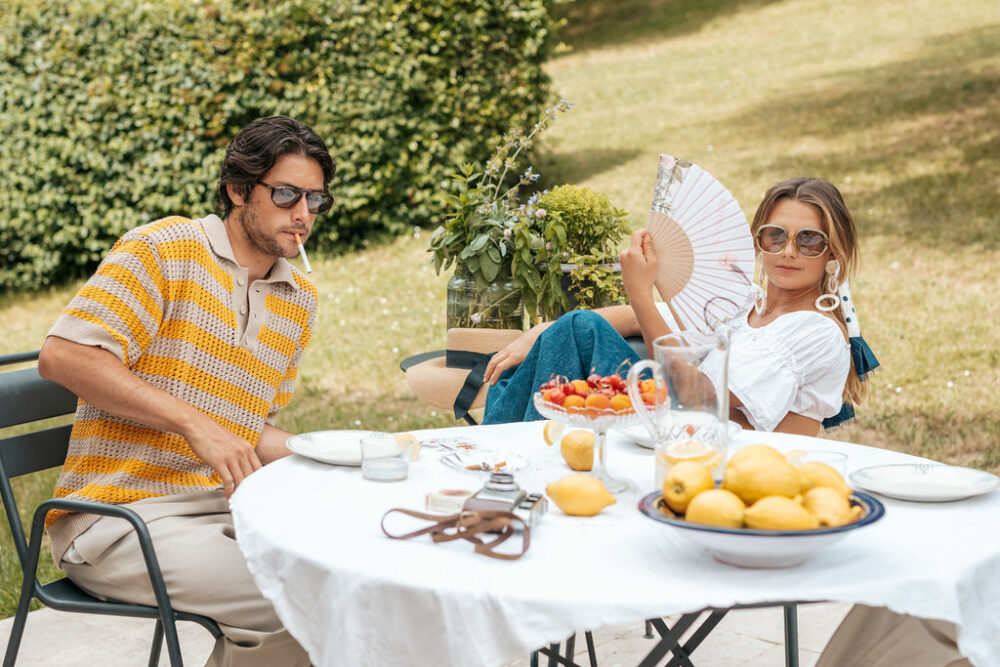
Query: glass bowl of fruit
[(598, 403)]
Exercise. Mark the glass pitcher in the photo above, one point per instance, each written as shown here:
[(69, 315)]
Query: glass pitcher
[(691, 421)]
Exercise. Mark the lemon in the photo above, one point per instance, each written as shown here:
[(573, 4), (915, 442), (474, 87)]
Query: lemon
[(815, 473), (755, 476), (579, 495), (552, 431), (690, 450), (751, 451), (716, 507), (683, 482), (577, 448), (779, 513), (828, 505), (409, 440)]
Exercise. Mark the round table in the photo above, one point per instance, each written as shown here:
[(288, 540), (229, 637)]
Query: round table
[(350, 595)]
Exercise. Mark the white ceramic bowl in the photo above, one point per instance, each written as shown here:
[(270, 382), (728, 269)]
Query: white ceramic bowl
[(746, 547)]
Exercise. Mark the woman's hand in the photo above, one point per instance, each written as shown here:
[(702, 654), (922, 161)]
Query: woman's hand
[(513, 354), (639, 266)]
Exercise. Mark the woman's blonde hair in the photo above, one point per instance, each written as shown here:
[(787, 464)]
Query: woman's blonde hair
[(839, 226)]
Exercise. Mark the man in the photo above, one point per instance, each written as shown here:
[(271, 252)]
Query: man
[(183, 347)]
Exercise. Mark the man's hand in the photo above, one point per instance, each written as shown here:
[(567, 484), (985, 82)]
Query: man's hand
[(232, 457), (98, 377), (639, 266)]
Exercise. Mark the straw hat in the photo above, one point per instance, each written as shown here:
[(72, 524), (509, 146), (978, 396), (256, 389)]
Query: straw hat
[(441, 380)]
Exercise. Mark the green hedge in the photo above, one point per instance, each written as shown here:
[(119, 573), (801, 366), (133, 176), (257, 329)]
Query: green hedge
[(116, 112)]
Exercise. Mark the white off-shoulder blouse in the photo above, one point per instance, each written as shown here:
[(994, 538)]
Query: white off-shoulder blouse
[(797, 363)]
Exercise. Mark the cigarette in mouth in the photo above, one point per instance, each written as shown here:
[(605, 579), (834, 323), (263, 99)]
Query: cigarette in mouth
[(302, 252)]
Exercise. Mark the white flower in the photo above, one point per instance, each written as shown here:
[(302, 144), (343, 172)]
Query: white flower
[(476, 318), (383, 300), (668, 161), (506, 233), (540, 213)]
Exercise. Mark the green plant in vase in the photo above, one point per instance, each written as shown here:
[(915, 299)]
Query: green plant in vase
[(492, 240)]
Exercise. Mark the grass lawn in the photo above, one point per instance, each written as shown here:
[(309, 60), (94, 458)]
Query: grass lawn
[(896, 103)]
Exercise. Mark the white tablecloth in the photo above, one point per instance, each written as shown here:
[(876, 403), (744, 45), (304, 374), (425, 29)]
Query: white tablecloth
[(351, 596)]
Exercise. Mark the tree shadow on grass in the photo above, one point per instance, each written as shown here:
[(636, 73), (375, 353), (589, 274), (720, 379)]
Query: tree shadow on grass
[(575, 166), (592, 24), (935, 118)]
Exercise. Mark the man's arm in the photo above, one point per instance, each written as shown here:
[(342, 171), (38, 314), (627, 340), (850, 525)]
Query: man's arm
[(98, 377), (271, 445)]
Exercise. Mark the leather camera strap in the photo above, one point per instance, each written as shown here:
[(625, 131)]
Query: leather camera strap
[(471, 526)]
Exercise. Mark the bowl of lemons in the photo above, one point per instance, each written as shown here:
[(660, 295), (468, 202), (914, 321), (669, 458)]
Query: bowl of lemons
[(766, 513)]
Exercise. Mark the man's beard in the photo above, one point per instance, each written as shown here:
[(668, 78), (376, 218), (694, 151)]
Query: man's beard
[(259, 240)]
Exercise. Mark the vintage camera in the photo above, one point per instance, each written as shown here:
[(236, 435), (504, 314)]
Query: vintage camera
[(501, 492)]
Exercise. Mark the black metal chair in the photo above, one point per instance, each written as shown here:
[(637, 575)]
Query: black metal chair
[(26, 398)]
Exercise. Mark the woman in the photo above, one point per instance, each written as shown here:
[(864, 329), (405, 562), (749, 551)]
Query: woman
[(790, 359)]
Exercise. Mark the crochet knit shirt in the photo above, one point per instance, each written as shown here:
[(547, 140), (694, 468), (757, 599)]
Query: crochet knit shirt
[(171, 302)]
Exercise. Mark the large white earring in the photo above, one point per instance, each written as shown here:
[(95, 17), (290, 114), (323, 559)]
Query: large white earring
[(830, 285), (760, 300)]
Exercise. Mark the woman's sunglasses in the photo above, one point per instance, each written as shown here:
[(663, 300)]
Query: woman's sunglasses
[(772, 239), (287, 196)]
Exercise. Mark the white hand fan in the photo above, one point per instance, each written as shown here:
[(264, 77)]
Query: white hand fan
[(703, 243)]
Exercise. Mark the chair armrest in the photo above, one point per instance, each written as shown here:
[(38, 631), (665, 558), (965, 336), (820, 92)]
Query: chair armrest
[(104, 509)]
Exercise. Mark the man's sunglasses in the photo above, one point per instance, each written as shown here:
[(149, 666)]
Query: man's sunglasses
[(772, 239), (287, 196)]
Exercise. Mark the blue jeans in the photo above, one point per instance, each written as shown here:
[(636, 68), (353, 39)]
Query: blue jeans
[(577, 344)]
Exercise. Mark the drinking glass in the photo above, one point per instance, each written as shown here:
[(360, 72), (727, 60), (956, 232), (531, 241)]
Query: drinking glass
[(383, 459), (691, 421)]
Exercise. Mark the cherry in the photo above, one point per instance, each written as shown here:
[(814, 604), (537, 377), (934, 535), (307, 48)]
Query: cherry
[(614, 381), (557, 396)]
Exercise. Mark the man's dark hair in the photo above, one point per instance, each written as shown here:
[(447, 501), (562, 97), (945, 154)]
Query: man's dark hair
[(253, 152)]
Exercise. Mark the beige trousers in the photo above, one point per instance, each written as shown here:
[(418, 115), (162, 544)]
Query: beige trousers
[(203, 569), (877, 637)]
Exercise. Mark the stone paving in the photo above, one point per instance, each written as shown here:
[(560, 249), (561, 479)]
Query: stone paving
[(746, 638)]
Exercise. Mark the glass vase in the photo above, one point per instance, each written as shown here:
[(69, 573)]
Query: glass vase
[(471, 304)]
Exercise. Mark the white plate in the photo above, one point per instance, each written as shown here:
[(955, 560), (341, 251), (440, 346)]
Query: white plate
[(639, 434), (925, 482), (341, 448)]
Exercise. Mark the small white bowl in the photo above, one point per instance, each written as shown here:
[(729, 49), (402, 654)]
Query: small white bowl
[(746, 547)]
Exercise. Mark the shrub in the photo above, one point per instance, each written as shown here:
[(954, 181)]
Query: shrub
[(116, 112), (594, 229), (594, 226)]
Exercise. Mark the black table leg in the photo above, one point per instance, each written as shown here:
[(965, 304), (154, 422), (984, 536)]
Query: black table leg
[(791, 635)]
